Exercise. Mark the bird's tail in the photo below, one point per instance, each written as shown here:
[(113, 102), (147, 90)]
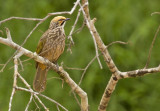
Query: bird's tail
[(39, 83)]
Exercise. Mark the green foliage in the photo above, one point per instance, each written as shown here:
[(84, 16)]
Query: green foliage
[(122, 20)]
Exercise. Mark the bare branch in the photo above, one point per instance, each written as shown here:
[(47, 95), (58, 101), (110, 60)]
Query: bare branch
[(97, 37), (150, 50), (139, 72), (36, 104), (15, 79), (98, 44), (107, 93), (1, 32), (155, 13), (36, 93), (76, 88), (104, 51), (46, 109), (71, 32), (74, 7), (115, 42), (4, 65), (70, 68), (66, 12), (8, 34), (30, 100), (60, 71), (20, 62), (40, 22), (20, 18), (55, 78), (94, 40), (114, 79), (11, 98), (73, 27), (10, 39), (57, 108), (79, 29), (76, 98), (85, 69)]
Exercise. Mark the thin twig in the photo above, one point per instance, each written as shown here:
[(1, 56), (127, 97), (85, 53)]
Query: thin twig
[(76, 99), (14, 81), (72, 84), (57, 108), (20, 62), (73, 27), (4, 66), (26, 60), (1, 32), (71, 68), (104, 51), (20, 18), (94, 40), (66, 12), (115, 42), (150, 50), (155, 13), (30, 100), (36, 104), (46, 109), (40, 22), (11, 98), (54, 78), (85, 69), (36, 93), (79, 29), (71, 33)]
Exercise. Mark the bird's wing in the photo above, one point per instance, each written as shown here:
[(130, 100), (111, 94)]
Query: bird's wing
[(40, 46), (41, 43)]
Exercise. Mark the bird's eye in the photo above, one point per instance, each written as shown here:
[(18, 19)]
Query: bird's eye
[(61, 21)]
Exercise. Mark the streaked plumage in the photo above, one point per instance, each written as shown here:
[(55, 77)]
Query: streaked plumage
[(51, 45)]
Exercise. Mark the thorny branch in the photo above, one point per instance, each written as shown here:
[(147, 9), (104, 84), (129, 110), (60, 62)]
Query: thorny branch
[(119, 42)]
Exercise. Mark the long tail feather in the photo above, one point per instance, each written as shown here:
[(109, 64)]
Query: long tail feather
[(39, 83)]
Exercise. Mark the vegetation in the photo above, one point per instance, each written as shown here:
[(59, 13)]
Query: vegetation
[(128, 21)]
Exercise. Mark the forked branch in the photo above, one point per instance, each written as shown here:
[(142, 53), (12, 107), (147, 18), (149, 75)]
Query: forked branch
[(60, 71)]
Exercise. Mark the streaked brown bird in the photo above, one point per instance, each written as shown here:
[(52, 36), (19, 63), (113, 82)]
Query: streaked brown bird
[(51, 45)]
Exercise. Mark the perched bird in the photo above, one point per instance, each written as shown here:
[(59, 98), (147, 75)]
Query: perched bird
[(51, 45)]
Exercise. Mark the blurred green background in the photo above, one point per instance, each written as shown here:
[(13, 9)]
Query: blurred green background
[(117, 20)]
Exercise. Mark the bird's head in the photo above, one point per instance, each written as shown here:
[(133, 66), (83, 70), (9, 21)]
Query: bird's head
[(58, 21)]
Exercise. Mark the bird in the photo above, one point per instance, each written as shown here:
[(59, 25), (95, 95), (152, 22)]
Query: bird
[(50, 46)]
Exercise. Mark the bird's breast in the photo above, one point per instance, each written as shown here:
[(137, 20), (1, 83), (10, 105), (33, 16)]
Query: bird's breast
[(54, 45)]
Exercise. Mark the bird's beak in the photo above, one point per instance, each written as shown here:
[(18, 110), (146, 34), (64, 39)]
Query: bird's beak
[(67, 19)]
